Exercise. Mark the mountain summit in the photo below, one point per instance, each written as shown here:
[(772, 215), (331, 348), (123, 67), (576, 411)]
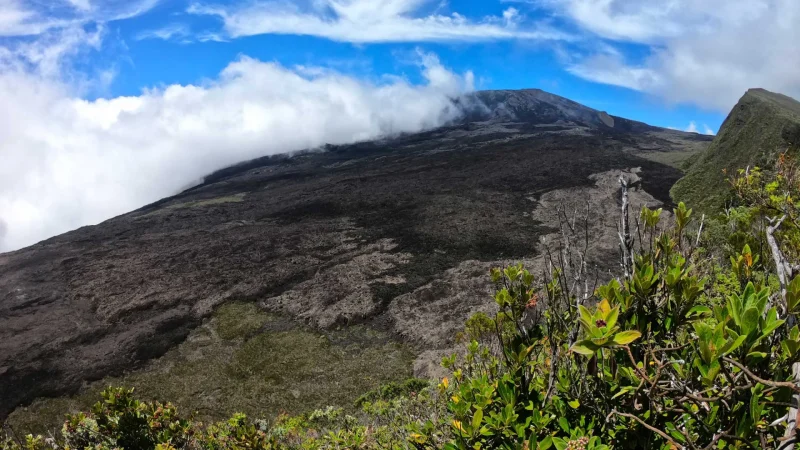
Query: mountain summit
[(535, 106)]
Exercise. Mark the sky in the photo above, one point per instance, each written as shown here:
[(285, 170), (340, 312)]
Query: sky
[(107, 105)]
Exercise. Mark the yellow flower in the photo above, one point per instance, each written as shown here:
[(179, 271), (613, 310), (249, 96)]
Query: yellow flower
[(418, 438)]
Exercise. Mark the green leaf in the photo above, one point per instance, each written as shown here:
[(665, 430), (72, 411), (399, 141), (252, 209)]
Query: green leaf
[(611, 320), (626, 337), (757, 355), (732, 345), (748, 295), (673, 431), (585, 314), (545, 443), (586, 348), (755, 407), (560, 443), (735, 309), (790, 347), (562, 422), (623, 391), (771, 323), (793, 293), (750, 321), (477, 418), (699, 310), (575, 404), (760, 300), (600, 341)]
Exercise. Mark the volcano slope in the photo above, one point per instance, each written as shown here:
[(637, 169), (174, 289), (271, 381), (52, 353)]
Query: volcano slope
[(395, 235)]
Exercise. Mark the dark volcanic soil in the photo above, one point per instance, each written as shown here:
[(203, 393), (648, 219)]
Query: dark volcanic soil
[(331, 238)]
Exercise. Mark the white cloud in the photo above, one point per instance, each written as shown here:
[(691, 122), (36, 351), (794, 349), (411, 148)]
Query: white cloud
[(654, 21), (363, 21), (84, 5), (173, 31), (45, 56), (69, 162), (35, 17), (702, 52), (608, 67), (19, 19), (693, 128)]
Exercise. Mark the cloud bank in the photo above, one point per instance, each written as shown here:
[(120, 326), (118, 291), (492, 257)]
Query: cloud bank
[(700, 52), (69, 162)]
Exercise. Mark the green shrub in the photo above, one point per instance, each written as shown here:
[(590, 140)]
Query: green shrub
[(666, 358), (392, 391)]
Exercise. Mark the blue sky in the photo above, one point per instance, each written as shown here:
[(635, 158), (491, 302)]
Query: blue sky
[(107, 105), (185, 57)]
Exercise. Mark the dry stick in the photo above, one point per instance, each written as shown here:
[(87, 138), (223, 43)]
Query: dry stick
[(780, 384), (782, 265), (715, 439), (649, 427), (790, 435), (626, 242), (585, 267), (787, 443), (699, 233)]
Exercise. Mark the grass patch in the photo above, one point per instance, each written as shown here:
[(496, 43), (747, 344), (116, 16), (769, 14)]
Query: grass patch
[(245, 360), (677, 158), (239, 320)]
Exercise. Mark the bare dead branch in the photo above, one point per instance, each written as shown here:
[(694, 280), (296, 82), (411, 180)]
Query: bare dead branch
[(790, 435), (626, 241), (782, 266), (649, 427), (779, 384)]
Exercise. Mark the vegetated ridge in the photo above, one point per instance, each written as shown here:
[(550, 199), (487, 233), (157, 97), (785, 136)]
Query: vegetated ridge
[(760, 127)]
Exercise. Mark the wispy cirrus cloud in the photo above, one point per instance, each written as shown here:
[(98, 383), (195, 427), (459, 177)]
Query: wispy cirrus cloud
[(32, 17), (368, 21), (174, 31)]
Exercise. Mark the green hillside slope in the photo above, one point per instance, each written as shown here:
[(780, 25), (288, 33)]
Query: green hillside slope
[(762, 125)]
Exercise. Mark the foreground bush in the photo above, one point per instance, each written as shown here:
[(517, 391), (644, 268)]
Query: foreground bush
[(120, 421), (678, 352), (681, 350)]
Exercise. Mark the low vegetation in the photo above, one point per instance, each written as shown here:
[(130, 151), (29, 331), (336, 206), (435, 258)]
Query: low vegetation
[(694, 345), (247, 361)]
